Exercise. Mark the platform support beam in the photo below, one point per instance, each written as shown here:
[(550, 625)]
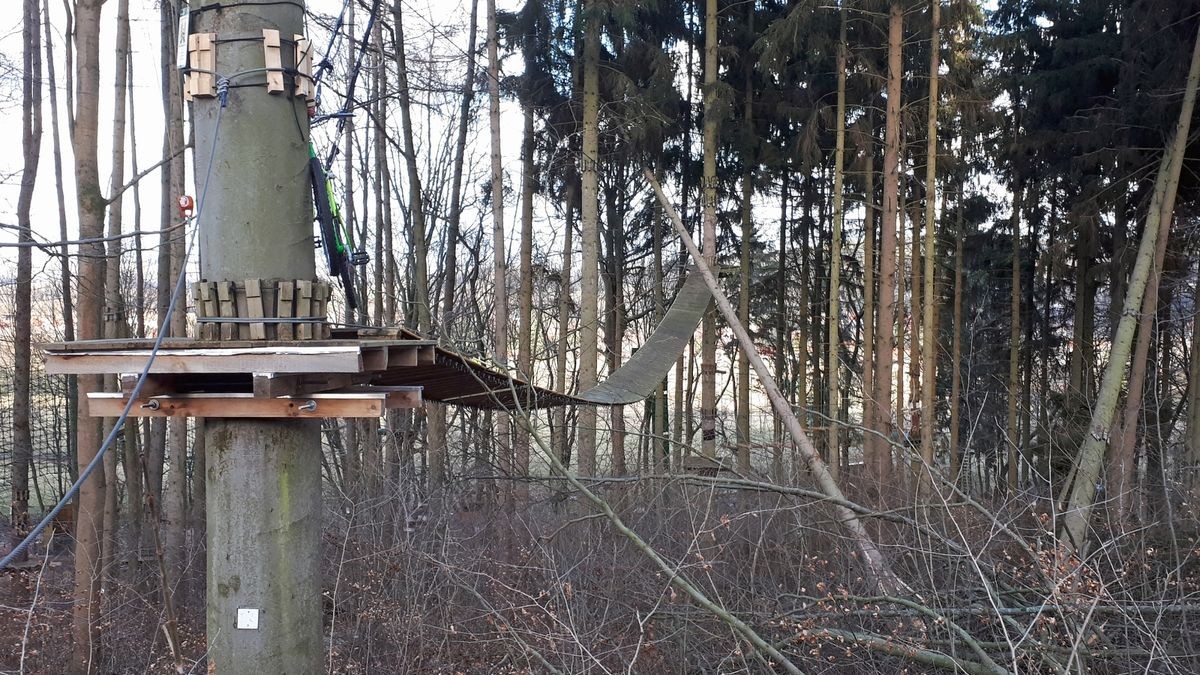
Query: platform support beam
[(263, 476)]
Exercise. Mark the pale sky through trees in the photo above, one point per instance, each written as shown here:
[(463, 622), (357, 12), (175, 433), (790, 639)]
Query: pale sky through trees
[(146, 85)]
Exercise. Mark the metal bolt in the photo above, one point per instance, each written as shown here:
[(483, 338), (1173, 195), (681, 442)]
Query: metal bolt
[(151, 405), (309, 407)]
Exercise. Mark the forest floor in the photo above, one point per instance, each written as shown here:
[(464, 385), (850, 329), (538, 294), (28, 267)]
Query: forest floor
[(474, 590)]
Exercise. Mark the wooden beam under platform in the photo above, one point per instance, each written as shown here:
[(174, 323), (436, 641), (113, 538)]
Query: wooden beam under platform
[(355, 402)]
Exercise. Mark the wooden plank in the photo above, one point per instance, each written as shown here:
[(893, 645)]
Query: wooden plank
[(304, 66), (153, 386), (304, 291), (196, 301), (317, 406), (376, 358), (273, 61), (124, 344), (403, 356), (398, 397), (254, 308), (274, 385), (427, 355), (286, 292), (296, 359), (243, 310), (326, 292), (225, 295), (208, 330)]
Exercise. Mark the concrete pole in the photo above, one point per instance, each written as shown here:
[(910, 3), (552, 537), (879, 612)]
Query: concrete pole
[(264, 477)]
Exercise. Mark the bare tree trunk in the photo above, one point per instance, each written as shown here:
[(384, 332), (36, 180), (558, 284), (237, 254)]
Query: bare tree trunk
[(416, 202), (929, 325), (1192, 439), (1090, 461), (614, 319), (660, 461), (559, 427), (436, 411), (135, 434), (590, 235), (31, 145), (834, 371), (956, 353), (879, 452), (499, 261), (114, 301), (902, 311), (90, 524), (708, 334), (525, 294), (1120, 484), (877, 568), (914, 319), (743, 377), (869, 300), (173, 494), (781, 326), (1014, 344), (68, 307)]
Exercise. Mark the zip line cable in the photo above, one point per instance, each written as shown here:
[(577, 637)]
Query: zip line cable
[(223, 95)]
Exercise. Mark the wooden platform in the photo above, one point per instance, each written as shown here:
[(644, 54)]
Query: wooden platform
[(192, 378), (354, 360)]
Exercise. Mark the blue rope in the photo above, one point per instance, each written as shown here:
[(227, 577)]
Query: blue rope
[(223, 93)]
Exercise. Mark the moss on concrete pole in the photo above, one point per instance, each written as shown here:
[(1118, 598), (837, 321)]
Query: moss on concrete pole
[(264, 482)]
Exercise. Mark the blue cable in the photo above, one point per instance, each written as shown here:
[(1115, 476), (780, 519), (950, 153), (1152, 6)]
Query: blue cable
[(223, 95)]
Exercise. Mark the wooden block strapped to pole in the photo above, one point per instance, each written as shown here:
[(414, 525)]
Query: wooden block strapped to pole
[(273, 61), (242, 310), (203, 57), (304, 68), (225, 295), (284, 309), (207, 308), (304, 292), (254, 308)]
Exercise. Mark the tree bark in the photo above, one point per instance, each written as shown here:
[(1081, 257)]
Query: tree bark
[(879, 451), (437, 412), (869, 302), (525, 293), (31, 145), (91, 205), (708, 335), (559, 442), (174, 493), (1090, 462), (590, 235), (743, 362), (877, 568), (1120, 484), (834, 371), (929, 327), (1013, 439), (114, 301), (499, 261), (68, 306), (956, 353)]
